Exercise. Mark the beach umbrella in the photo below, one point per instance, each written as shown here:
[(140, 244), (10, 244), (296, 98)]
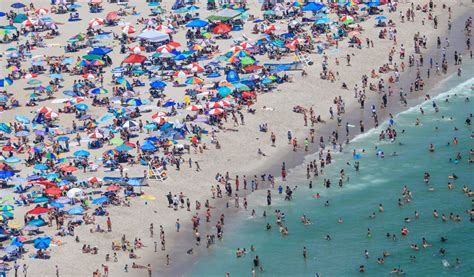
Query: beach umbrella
[(195, 67), (347, 19), (169, 104), (18, 5), (42, 243), (81, 107), (216, 111), (53, 191), (6, 174), (38, 211), (5, 82), (51, 115), (130, 124), (41, 11), (5, 128), (95, 22), (96, 135), (100, 200), (40, 167), (128, 29), (224, 91), (97, 91), (197, 23), (7, 208), (74, 192), (214, 74), (69, 168), (381, 17), (194, 108), (194, 81), (134, 102), (94, 180), (222, 29), (34, 82), (158, 84), (116, 141), (111, 16)]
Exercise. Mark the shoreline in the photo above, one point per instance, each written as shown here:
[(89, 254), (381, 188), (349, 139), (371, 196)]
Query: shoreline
[(294, 160)]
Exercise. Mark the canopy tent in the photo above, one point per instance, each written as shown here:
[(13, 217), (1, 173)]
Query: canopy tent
[(224, 15), (154, 36), (100, 51), (134, 58)]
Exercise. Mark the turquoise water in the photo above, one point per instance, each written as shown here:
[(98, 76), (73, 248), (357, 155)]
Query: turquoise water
[(378, 181)]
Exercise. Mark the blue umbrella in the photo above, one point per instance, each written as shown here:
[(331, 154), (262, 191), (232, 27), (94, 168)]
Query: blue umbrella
[(40, 200), (40, 167), (381, 17), (62, 138), (52, 176), (82, 153), (57, 205), (76, 210), (6, 174), (100, 200), (42, 243), (82, 107), (106, 117), (197, 23), (70, 93), (18, 5), (169, 104), (2, 14), (224, 91), (5, 128), (158, 84)]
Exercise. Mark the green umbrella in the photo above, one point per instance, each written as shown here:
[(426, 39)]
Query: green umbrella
[(20, 18), (247, 61)]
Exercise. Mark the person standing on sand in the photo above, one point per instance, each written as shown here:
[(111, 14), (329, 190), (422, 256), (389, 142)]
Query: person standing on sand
[(109, 224)]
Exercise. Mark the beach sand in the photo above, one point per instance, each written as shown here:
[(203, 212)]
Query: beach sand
[(238, 154)]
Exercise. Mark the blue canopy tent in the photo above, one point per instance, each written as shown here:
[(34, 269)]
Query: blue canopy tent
[(312, 7), (100, 51)]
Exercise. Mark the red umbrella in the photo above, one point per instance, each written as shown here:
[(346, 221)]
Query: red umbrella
[(69, 168), (39, 210), (8, 148), (53, 191), (111, 16), (44, 183), (221, 29), (246, 94), (113, 188)]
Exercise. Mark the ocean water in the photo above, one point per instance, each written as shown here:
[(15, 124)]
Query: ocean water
[(379, 181)]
